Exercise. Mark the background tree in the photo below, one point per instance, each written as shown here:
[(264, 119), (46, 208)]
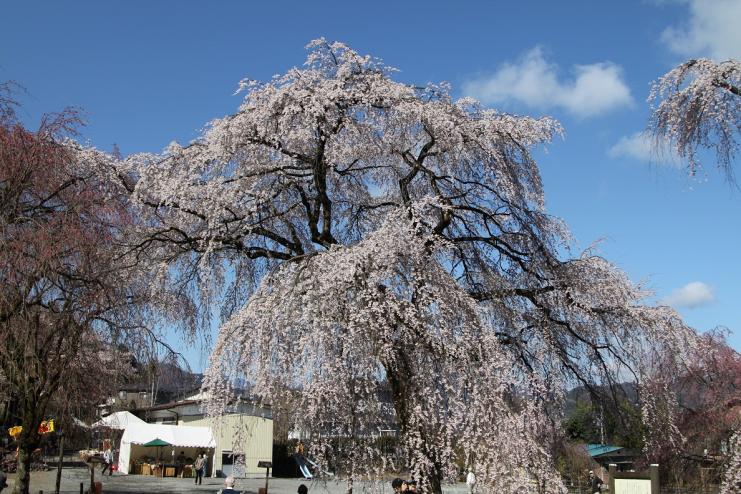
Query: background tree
[(698, 105), (732, 476), (710, 394), (65, 286), (368, 235), (621, 426), (698, 421)]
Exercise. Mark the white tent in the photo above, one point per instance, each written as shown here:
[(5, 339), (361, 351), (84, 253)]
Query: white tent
[(118, 420), (178, 435), (80, 423)]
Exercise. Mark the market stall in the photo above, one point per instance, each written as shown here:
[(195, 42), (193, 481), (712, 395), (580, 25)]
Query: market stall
[(153, 449)]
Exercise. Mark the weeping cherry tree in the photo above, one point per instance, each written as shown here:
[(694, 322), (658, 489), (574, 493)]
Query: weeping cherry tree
[(698, 105), (383, 251)]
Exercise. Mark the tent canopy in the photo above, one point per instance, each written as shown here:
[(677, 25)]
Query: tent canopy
[(172, 435), (118, 420)]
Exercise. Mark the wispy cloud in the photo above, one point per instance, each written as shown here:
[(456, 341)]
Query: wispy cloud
[(595, 89), (712, 30), (690, 296), (641, 147)]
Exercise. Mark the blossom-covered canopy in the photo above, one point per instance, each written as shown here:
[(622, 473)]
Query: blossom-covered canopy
[(382, 253)]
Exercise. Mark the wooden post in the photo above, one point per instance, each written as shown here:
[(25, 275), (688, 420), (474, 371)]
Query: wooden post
[(654, 472), (59, 464), (92, 477), (266, 465), (612, 468)]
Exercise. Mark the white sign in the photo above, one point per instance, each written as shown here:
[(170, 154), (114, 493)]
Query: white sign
[(632, 486)]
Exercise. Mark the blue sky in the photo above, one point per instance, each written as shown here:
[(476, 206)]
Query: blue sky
[(151, 72)]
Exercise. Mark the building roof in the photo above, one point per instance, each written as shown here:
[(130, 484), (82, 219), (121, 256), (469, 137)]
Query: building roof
[(601, 449), (197, 400), (172, 404)]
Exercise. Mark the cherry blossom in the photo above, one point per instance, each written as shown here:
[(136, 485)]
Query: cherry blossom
[(698, 105), (383, 252)]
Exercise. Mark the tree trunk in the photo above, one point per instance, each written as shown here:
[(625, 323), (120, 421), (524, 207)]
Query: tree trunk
[(23, 472), (402, 387), (28, 441), (59, 464)]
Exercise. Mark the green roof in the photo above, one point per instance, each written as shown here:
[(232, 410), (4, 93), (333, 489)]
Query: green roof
[(601, 449)]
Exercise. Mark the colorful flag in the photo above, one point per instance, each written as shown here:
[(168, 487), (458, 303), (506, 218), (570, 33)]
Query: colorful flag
[(45, 427)]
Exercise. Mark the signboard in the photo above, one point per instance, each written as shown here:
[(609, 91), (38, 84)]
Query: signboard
[(264, 464), (632, 486), (634, 482)]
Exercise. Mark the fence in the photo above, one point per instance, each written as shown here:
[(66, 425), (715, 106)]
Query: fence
[(583, 488)]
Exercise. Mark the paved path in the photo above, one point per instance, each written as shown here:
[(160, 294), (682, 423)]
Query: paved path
[(115, 484)]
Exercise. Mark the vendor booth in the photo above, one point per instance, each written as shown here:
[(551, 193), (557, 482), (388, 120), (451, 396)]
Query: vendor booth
[(164, 450)]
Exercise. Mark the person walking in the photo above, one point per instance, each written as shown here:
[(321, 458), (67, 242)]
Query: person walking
[(199, 466), (107, 462)]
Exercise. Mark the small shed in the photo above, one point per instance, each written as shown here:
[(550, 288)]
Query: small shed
[(606, 454)]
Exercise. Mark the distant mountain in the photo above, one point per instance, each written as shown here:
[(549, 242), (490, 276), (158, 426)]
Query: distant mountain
[(626, 390)]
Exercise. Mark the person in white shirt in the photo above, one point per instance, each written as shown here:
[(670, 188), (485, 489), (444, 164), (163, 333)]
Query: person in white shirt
[(108, 462), (471, 481)]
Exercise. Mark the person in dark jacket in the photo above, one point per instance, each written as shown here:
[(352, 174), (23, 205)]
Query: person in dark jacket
[(398, 485), (595, 483), (229, 487)]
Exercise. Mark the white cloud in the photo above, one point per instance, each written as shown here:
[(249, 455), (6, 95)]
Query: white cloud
[(597, 88), (690, 296), (712, 30), (640, 146)]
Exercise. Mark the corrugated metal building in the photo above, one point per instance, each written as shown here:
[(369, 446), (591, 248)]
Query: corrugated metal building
[(241, 441)]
